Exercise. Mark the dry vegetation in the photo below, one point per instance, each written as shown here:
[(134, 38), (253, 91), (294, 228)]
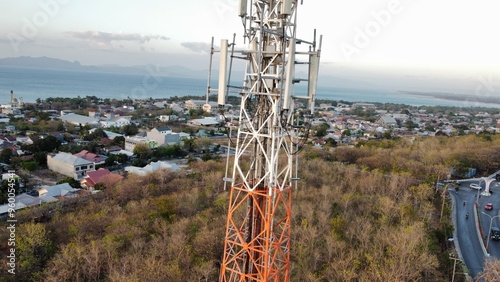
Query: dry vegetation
[(360, 214)]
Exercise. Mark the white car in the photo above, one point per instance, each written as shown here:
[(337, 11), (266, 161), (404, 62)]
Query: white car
[(475, 186)]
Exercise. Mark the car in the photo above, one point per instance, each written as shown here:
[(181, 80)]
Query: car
[(33, 193), (488, 206), (495, 233), (475, 186)]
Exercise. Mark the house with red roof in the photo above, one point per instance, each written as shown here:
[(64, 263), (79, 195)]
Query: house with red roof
[(91, 157), (100, 176)]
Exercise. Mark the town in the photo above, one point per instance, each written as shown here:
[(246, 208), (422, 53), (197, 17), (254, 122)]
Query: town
[(62, 148)]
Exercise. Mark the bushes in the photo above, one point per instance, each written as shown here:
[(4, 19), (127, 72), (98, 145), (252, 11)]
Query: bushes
[(371, 220)]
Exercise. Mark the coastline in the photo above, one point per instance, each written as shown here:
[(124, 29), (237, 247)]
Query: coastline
[(34, 83)]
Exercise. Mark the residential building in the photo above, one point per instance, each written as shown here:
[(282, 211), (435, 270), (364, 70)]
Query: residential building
[(163, 135), (131, 142), (57, 191), (153, 166), (210, 106), (11, 111), (10, 128), (22, 201), (176, 107), (111, 135), (94, 114), (207, 121), (161, 104), (386, 120), (91, 157), (95, 177), (116, 121), (23, 140), (166, 118), (79, 119), (194, 104), (364, 105), (69, 165)]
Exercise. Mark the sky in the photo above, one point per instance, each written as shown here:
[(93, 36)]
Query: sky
[(446, 41)]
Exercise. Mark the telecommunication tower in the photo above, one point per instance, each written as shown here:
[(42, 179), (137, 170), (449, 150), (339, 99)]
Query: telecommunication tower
[(257, 242)]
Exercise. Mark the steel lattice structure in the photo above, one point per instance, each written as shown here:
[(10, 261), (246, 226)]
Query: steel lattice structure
[(257, 242)]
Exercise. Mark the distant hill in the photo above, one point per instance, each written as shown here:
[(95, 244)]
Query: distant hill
[(42, 62), (173, 71)]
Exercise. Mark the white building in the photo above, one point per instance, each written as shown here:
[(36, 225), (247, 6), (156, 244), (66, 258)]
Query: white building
[(163, 135), (131, 142), (110, 134), (194, 104), (154, 166), (69, 165), (176, 107), (386, 120), (116, 121), (207, 121), (79, 119), (166, 118), (60, 190), (210, 106)]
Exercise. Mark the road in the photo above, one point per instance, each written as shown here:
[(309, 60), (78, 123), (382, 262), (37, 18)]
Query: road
[(466, 234)]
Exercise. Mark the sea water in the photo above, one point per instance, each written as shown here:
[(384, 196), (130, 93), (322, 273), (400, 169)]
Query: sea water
[(36, 83)]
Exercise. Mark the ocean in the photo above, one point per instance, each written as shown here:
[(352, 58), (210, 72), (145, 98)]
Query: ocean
[(33, 83)]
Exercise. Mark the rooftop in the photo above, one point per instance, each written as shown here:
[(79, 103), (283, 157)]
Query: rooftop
[(71, 159)]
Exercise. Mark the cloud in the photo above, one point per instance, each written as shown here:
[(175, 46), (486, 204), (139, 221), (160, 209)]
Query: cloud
[(198, 47), (15, 38), (107, 37)]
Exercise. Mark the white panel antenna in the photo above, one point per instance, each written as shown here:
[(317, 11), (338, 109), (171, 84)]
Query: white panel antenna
[(222, 72), (290, 72)]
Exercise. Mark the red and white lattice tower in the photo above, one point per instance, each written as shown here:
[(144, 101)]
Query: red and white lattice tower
[(257, 242)]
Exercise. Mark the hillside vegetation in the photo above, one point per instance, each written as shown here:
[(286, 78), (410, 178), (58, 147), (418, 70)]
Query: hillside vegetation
[(359, 214)]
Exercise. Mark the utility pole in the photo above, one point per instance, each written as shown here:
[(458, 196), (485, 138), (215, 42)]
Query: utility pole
[(454, 267), (489, 232)]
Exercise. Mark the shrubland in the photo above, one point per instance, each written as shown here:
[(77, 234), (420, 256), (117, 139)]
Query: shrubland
[(367, 213)]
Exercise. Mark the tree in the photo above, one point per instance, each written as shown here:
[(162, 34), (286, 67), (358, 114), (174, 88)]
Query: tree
[(321, 130), (189, 144), (410, 124), (121, 158), (142, 151), (34, 249), (346, 132), (40, 158), (130, 129), (491, 271), (30, 166), (71, 181), (6, 155), (331, 142), (110, 161), (98, 134), (202, 144), (118, 141), (46, 144), (388, 134)]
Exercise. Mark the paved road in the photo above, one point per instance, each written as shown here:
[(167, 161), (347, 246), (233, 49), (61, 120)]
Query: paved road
[(466, 233)]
